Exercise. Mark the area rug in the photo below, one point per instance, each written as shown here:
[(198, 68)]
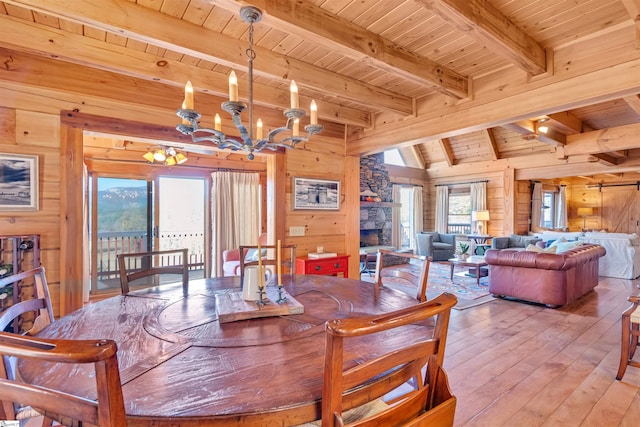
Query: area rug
[(469, 294)]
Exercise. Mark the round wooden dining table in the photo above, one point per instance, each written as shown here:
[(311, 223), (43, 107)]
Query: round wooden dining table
[(180, 366)]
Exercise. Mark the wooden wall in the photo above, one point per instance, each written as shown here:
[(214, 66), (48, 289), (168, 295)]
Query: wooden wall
[(36, 133)]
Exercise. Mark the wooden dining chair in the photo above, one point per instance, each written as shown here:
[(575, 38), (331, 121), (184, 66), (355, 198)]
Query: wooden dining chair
[(630, 323), (33, 312), (269, 258), (69, 410), (344, 399), (149, 269), (404, 268)]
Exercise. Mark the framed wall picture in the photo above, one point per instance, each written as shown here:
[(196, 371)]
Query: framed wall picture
[(18, 182), (316, 194)]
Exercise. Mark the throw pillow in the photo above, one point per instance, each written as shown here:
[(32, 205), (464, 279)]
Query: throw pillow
[(563, 247), (558, 241), (252, 254), (535, 248)]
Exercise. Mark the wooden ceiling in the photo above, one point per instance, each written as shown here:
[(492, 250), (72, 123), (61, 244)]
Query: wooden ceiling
[(431, 77)]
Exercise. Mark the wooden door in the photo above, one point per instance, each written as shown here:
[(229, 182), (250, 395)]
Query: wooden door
[(620, 210)]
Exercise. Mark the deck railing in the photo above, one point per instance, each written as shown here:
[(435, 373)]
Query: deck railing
[(459, 228), (110, 244)]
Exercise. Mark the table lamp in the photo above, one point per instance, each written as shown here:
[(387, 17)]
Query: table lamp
[(479, 217), (584, 213)]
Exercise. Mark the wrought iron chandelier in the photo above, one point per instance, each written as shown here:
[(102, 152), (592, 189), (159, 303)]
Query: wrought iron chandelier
[(234, 107)]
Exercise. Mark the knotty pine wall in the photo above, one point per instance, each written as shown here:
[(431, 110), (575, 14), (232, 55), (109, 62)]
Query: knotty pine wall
[(36, 133)]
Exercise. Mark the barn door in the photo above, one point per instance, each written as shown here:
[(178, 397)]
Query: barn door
[(620, 210)]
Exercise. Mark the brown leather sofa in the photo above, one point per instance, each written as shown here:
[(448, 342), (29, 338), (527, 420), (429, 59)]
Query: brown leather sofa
[(546, 278)]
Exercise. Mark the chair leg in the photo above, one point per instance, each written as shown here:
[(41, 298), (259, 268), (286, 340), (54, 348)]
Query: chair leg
[(625, 351), (635, 331)]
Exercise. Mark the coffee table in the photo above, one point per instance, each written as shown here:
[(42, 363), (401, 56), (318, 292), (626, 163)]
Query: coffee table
[(472, 262)]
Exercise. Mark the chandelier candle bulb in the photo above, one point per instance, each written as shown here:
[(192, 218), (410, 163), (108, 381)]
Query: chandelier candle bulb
[(296, 127), (184, 107), (278, 260), (314, 113), (188, 96), (294, 95), (259, 129), (233, 87), (217, 123)]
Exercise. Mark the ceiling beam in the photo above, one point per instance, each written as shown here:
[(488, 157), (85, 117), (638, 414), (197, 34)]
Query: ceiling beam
[(493, 144), (168, 32), (633, 102), (77, 49), (445, 145), (603, 140), (605, 159), (633, 8), (483, 112), (484, 23), (566, 122), (311, 22), (528, 130), (418, 156)]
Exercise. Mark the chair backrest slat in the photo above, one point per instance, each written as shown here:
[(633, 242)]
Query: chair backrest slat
[(149, 267), (418, 275)]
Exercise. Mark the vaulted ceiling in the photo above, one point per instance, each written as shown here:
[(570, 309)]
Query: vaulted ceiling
[(449, 82)]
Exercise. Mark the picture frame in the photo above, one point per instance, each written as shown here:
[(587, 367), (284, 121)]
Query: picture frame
[(316, 194), (19, 182)]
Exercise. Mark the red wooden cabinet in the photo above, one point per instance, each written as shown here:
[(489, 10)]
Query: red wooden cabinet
[(334, 266)]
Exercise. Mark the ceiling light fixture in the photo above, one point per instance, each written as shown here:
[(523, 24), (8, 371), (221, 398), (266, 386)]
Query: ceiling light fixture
[(542, 127), (247, 142), (167, 155)]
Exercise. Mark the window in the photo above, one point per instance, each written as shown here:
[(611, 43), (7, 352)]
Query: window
[(548, 209), (459, 219), (393, 157)]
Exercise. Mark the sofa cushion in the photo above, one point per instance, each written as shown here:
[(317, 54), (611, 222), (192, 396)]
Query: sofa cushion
[(439, 246), (536, 248), (565, 246)]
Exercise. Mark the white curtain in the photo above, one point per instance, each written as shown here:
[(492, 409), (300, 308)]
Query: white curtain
[(417, 216), (561, 210), (396, 233), (536, 206), (478, 200), (442, 208), (235, 211)]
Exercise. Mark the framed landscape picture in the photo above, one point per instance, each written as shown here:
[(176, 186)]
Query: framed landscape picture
[(18, 182), (316, 194)]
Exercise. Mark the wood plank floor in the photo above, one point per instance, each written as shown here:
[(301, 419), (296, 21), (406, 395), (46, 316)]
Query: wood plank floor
[(517, 364)]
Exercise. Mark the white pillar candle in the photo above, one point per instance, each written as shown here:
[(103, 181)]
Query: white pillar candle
[(294, 95), (188, 96), (314, 113), (233, 87)]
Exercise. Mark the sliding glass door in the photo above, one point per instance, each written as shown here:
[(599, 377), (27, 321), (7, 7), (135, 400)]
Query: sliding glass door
[(129, 215)]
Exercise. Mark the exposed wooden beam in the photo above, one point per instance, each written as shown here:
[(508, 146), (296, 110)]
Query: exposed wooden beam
[(314, 23), (482, 112), (604, 140), (445, 145), (605, 159), (77, 49), (418, 156), (633, 102), (168, 32), (483, 22), (633, 8), (565, 122), (493, 144)]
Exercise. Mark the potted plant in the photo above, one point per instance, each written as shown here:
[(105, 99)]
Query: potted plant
[(462, 253)]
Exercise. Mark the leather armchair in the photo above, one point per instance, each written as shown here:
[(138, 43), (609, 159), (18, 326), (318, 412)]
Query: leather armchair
[(438, 246)]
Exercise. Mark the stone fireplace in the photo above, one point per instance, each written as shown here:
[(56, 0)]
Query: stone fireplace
[(375, 217)]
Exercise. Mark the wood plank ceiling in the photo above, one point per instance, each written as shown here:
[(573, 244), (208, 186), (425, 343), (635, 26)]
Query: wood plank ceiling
[(370, 64)]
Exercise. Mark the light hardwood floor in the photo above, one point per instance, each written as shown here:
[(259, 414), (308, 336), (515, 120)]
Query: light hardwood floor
[(517, 364)]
